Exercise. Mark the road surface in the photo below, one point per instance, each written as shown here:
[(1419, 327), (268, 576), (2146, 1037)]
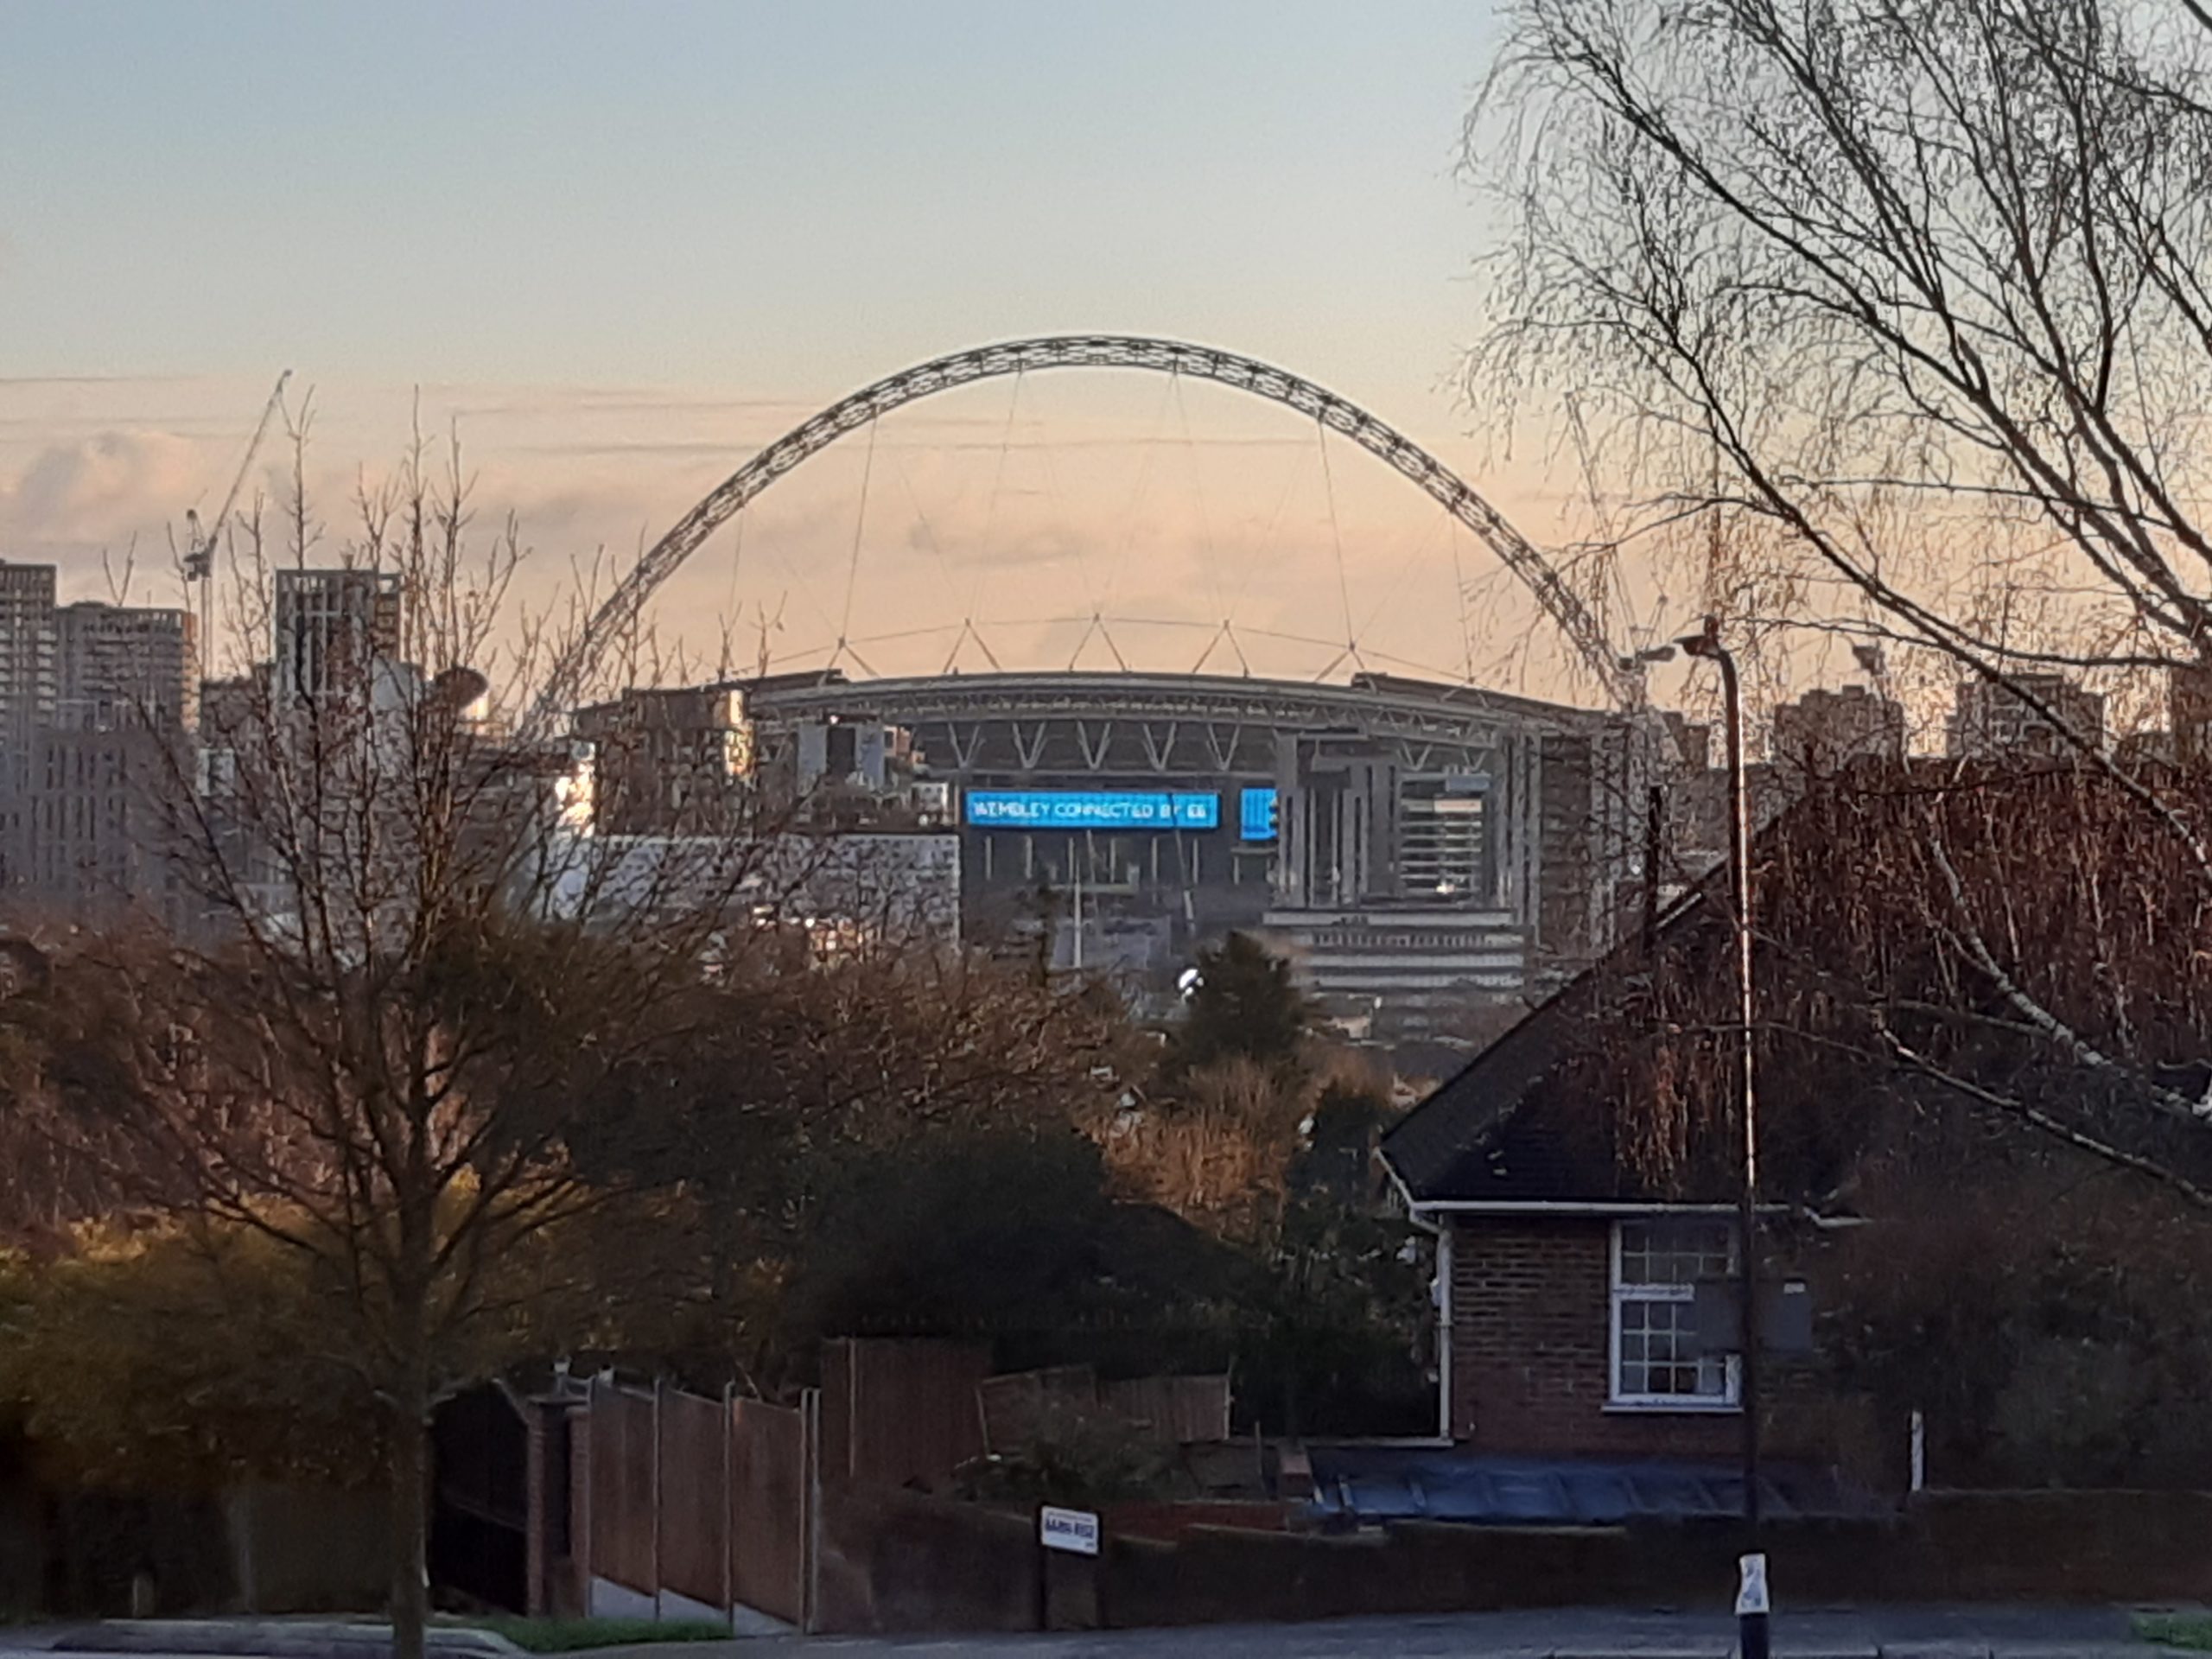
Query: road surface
[(1995, 1632), (1575, 1633)]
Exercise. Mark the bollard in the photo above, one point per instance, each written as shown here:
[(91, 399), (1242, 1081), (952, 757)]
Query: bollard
[(1751, 1607)]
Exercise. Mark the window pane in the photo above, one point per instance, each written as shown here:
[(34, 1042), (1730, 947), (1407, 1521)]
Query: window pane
[(1657, 1349), (1659, 1261), (1675, 1252)]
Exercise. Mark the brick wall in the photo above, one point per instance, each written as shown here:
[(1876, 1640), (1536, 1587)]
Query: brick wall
[(2081, 1547), (1531, 1313)]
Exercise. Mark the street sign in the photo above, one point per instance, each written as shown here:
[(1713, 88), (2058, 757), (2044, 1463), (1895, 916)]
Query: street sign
[(1073, 1530)]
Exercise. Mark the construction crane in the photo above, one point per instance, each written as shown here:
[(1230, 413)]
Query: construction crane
[(200, 540), (200, 544)]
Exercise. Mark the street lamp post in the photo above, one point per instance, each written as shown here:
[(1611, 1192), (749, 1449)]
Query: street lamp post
[(1752, 1601)]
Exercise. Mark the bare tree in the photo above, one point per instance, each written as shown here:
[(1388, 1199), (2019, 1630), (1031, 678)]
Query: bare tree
[(1883, 279), (1892, 316), (408, 978)]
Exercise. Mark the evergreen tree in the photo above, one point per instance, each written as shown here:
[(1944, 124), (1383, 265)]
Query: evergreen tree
[(1244, 1005)]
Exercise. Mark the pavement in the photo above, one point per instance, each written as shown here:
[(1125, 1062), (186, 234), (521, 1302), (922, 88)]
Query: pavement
[(1994, 1632), (249, 1638)]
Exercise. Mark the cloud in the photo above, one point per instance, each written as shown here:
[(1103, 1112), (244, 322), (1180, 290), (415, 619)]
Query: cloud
[(107, 485), (14, 381)]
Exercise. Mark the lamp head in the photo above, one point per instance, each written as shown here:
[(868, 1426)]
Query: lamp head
[(1705, 643)]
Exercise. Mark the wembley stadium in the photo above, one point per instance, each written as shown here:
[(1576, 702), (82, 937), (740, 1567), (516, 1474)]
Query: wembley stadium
[(1422, 847)]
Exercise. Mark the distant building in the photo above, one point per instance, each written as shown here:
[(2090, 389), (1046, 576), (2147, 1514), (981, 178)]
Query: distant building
[(867, 756), (1358, 824), (1692, 741), (331, 628), (94, 817), (669, 761), (1415, 884), (1823, 729), (117, 665), (842, 891), (1393, 972), (26, 699), (94, 700), (26, 650), (1990, 720), (2189, 703)]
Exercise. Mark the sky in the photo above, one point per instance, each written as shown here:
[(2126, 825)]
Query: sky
[(619, 247)]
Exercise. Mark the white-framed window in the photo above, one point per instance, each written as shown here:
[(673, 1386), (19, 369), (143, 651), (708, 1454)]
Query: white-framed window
[(1658, 1261)]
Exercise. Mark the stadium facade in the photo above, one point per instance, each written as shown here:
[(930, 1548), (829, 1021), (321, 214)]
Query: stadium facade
[(1426, 852)]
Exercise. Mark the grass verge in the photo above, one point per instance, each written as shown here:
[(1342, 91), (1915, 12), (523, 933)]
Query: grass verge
[(2176, 1629), (576, 1635)]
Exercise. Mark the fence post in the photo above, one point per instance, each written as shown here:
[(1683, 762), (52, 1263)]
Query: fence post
[(729, 1505), (581, 1545), (810, 1510), (656, 1494)]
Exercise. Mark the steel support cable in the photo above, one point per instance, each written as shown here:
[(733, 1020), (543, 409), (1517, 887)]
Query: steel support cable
[(1063, 519), (991, 514), (1388, 591), (1337, 540), (729, 603), (576, 666), (1198, 492), (860, 529), (1300, 457), (929, 530), (1129, 538), (944, 569), (1459, 590)]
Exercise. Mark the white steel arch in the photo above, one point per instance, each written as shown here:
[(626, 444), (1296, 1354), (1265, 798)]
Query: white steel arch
[(621, 609)]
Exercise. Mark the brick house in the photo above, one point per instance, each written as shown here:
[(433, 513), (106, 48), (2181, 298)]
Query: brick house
[(1938, 1014), (1573, 1232)]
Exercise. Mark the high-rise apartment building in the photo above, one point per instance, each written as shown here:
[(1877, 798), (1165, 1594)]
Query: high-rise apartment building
[(117, 665), (26, 654), (25, 698), (332, 627), (94, 701)]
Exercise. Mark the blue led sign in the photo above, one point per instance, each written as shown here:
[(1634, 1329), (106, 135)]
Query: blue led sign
[(1255, 814), (1091, 809)]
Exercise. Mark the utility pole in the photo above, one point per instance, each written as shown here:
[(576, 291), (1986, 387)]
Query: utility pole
[(1751, 1604)]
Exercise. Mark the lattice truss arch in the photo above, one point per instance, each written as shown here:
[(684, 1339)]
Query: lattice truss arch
[(619, 613)]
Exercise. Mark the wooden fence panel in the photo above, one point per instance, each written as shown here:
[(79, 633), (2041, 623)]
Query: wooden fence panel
[(768, 1515), (694, 1510), (1177, 1410), (622, 1473), (895, 1410)]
